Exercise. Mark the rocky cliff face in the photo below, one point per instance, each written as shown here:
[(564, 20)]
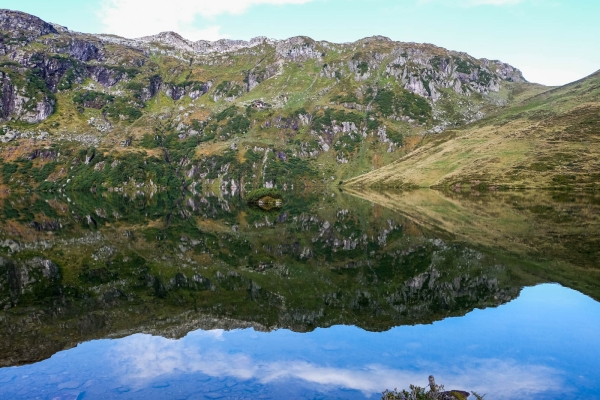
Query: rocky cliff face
[(19, 29), (421, 69), (23, 101), (332, 109)]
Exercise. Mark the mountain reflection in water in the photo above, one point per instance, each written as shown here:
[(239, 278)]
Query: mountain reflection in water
[(84, 267)]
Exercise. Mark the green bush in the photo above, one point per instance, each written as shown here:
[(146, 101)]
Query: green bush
[(134, 86), (128, 72), (238, 124), (403, 102), (395, 137), (43, 173), (125, 107), (363, 67), (10, 212), (92, 99), (149, 141), (68, 79), (386, 102), (226, 113), (252, 156), (484, 77), (7, 170), (293, 170), (463, 66), (325, 120), (228, 89), (36, 85), (346, 98)]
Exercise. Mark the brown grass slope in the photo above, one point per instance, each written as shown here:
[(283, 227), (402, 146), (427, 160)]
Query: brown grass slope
[(551, 140)]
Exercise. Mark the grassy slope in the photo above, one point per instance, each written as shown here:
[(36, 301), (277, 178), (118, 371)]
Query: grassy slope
[(549, 140)]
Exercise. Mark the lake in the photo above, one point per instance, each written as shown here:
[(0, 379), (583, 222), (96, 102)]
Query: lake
[(337, 294)]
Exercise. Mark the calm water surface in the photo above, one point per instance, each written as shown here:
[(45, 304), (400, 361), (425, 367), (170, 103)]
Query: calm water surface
[(330, 297)]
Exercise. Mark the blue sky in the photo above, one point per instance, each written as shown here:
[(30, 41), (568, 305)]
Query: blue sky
[(552, 41)]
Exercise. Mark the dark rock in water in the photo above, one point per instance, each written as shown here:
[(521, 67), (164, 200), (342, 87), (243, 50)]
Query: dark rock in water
[(446, 395), (36, 278), (282, 217), (269, 203), (454, 395)]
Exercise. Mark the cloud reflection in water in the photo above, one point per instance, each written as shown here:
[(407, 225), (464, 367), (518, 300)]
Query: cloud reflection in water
[(144, 358)]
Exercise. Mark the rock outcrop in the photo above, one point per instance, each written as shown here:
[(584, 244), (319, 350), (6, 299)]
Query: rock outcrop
[(23, 101), (23, 27)]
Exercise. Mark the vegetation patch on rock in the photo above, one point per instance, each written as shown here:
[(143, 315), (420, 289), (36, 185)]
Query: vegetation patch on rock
[(264, 197)]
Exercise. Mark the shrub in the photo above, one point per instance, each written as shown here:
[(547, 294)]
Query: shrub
[(228, 89), (150, 141), (134, 86), (67, 81), (36, 85), (395, 137), (92, 99), (434, 392), (346, 98), (226, 113), (403, 102), (462, 66), (363, 67), (43, 173), (238, 124), (123, 107), (7, 170)]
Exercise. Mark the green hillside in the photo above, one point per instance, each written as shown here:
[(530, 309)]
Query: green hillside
[(551, 140), (100, 112)]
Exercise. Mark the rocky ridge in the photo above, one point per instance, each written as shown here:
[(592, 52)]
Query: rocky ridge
[(330, 109), (421, 69)]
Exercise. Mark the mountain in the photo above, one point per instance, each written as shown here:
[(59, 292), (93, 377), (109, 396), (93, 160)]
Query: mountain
[(101, 112), (551, 140)]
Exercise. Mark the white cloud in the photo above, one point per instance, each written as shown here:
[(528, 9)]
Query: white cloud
[(143, 358), (135, 18)]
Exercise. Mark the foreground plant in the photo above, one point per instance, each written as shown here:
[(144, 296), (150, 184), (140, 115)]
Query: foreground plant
[(435, 392)]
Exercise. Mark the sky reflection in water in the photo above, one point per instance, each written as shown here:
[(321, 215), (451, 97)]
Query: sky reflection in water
[(542, 345)]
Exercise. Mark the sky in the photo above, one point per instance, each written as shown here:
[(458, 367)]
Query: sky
[(553, 42)]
